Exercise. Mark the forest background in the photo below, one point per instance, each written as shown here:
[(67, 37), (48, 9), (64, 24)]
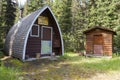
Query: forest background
[(74, 17)]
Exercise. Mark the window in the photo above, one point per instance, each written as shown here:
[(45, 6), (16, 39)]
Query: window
[(34, 31)]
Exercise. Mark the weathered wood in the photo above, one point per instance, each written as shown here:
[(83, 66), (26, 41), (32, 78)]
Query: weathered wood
[(99, 41)]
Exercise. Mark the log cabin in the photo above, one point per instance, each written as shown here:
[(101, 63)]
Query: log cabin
[(35, 36), (99, 41)]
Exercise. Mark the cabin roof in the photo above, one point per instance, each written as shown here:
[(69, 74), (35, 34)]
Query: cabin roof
[(101, 28), (16, 39)]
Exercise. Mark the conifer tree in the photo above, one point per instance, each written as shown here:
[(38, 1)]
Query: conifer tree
[(34, 5), (62, 10), (10, 15), (2, 21)]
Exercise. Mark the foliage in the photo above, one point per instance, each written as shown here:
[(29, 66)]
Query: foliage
[(62, 10), (79, 24), (34, 5), (103, 14), (7, 18), (37, 4), (2, 19), (10, 14), (74, 17), (1, 54), (117, 54), (72, 20)]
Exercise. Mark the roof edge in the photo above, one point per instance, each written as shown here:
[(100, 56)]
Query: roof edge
[(99, 27), (27, 35)]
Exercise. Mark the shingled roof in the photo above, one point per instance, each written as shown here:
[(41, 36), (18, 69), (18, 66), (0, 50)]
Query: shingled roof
[(101, 28), (16, 39)]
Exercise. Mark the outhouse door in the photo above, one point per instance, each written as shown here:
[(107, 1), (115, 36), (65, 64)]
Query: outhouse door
[(98, 44), (46, 40)]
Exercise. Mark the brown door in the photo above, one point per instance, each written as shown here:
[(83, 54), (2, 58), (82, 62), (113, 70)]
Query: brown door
[(46, 40), (98, 44)]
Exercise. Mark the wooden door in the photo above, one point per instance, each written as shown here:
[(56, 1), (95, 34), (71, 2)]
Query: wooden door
[(46, 41), (98, 44)]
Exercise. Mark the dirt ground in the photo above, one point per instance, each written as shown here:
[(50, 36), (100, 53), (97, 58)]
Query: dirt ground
[(106, 76), (70, 67), (98, 76)]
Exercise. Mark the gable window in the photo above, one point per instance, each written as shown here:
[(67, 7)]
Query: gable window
[(34, 31)]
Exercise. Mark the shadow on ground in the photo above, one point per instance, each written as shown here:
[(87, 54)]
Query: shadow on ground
[(64, 68)]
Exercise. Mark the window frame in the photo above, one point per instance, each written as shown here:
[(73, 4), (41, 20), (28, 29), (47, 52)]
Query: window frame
[(38, 31)]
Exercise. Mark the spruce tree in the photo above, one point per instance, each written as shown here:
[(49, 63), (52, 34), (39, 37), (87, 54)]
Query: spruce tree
[(34, 5), (3, 4), (10, 15)]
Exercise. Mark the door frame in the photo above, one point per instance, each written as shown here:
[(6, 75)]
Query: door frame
[(42, 37)]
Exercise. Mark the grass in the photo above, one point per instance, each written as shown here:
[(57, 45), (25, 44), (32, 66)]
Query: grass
[(103, 65), (67, 67), (7, 73)]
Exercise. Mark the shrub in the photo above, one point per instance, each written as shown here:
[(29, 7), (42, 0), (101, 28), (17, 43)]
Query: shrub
[(1, 54)]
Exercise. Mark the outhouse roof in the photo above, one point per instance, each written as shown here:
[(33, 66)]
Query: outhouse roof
[(101, 28)]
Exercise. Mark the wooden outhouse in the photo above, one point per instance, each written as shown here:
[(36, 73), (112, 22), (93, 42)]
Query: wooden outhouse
[(34, 36), (99, 41)]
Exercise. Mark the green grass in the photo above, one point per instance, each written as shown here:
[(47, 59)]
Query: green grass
[(7, 73), (99, 64), (103, 65), (71, 66)]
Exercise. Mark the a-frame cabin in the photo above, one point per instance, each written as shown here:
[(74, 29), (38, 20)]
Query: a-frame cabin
[(36, 35)]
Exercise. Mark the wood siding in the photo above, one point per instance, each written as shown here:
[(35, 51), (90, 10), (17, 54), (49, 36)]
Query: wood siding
[(56, 42), (107, 44), (34, 43), (105, 40), (33, 46)]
